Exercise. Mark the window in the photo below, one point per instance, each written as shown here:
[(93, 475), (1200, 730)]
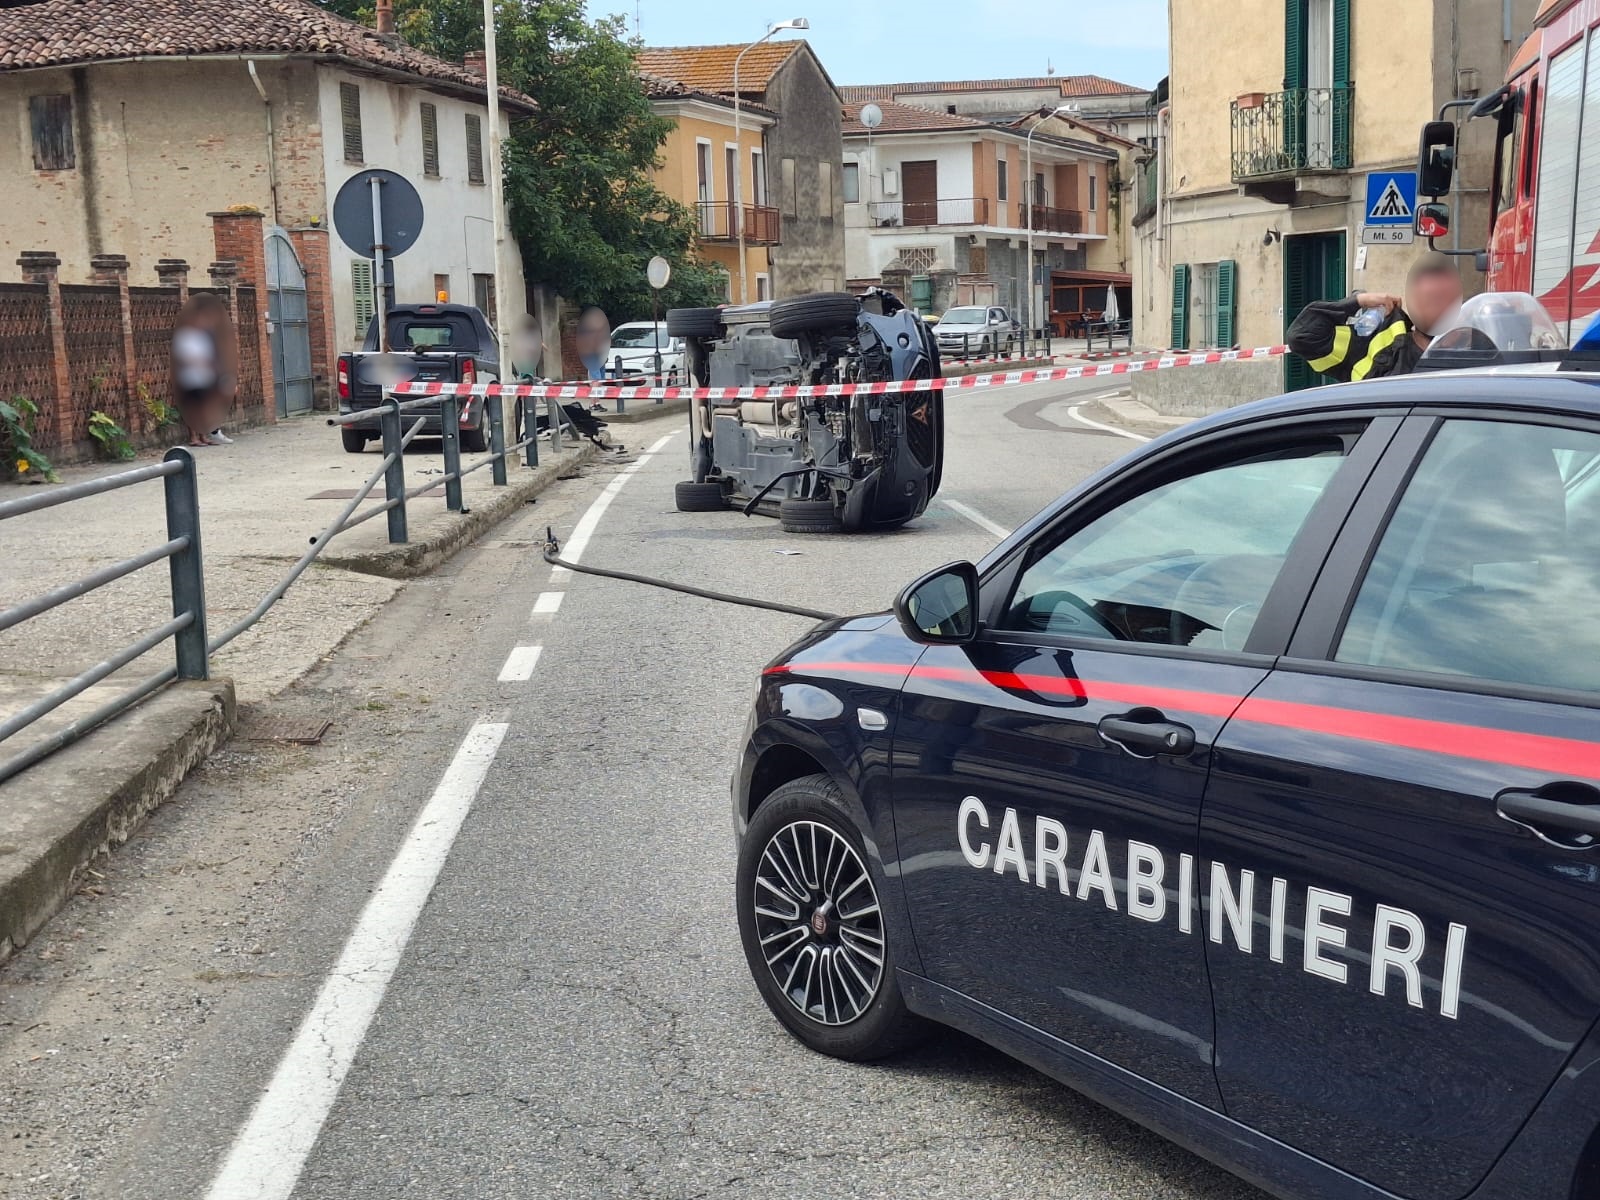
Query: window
[(850, 179), (788, 197), (350, 116), (430, 140), (1506, 175), (1040, 196), (763, 287), (474, 148), (703, 185), (1003, 181), (1187, 563), (361, 292), (1491, 562), (51, 121), (483, 296), (1212, 290), (1094, 185), (758, 177), (825, 193)]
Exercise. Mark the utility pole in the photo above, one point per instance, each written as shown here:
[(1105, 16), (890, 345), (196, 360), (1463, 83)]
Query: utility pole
[(497, 185)]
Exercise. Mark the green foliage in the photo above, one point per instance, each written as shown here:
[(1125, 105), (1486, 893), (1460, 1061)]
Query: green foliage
[(110, 439), (584, 208), (18, 458), (156, 405)]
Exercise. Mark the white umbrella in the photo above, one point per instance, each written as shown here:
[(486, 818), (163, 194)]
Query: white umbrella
[(1111, 316)]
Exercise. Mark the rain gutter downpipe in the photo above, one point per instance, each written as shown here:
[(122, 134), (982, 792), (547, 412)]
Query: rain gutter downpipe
[(272, 139)]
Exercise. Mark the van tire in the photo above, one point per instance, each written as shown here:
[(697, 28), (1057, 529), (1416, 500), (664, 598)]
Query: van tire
[(821, 312), (694, 322), (354, 440), (809, 516), (698, 497)]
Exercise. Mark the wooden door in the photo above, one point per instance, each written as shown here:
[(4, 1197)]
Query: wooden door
[(919, 182)]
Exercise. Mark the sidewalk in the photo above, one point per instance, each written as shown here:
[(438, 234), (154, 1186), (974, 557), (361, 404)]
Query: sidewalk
[(261, 501)]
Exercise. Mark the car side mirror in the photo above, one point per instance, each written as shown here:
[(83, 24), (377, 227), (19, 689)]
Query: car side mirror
[(1436, 158), (1433, 220), (942, 606)]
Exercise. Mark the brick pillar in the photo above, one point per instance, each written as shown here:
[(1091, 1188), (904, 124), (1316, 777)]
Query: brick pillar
[(312, 246), (112, 270), (43, 267), (174, 273), (242, 237)]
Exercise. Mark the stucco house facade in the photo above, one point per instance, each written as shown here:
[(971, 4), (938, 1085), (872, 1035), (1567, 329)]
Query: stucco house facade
[(943, 201), (133, 122), (1116, 107), (1250, 201), (802, 153)]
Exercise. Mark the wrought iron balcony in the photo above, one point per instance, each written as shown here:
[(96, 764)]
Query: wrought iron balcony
[(1278, 135), (719, 222), (1056, 220), (967, 210)]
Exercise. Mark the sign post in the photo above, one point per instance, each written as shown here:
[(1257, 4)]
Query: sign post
[(378, 214), (1391, 209)]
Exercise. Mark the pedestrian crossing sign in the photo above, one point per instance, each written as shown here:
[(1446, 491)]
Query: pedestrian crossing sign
[(1391, 210)]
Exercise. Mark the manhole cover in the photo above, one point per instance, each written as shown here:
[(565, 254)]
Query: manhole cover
[(299, 731)]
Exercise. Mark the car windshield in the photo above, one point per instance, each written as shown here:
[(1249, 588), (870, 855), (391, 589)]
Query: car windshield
[(964, 316), (630, 337)]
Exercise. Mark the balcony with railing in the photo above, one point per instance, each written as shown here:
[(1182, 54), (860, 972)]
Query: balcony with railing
[(719, 222), (1279, 136), (967, 210), (1055, 220)]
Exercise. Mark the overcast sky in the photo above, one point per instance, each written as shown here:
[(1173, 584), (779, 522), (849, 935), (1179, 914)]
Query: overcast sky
[(890, 41)]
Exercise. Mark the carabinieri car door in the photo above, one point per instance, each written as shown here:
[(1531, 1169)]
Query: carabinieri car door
[(1417, 791), (1047, 778)]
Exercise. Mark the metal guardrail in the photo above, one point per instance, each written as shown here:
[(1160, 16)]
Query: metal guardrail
[(187, 628)]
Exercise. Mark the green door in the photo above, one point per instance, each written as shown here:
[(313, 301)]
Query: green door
[(922, 293), (1313, 269)]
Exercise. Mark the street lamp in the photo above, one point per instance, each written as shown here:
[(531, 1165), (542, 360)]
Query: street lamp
[(738, 141), (1031, 200)]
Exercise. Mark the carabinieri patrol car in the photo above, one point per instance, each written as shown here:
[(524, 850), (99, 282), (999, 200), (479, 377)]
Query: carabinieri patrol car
[(1252, 789)]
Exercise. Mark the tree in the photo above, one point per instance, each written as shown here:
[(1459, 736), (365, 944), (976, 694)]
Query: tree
[(584, 209)]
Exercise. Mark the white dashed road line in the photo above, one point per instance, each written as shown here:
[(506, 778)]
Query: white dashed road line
[(572, 549), (548, 604), (976, 517), (268, 1155), (520, 664), (1083, 420)]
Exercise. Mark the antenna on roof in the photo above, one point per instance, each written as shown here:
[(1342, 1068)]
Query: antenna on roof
[(636, 32), (1049, 67)]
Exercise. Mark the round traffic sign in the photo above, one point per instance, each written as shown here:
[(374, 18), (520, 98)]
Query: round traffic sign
[(402, 213)]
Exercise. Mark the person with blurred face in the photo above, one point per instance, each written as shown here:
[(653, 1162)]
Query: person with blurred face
[(1323, 333), (205, 368), (593, 340)]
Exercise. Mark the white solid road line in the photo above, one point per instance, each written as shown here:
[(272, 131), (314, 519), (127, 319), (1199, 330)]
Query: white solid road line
[(660, 444), (1083, 420), (267, 1157), (547, 604), (976, 517), (572, 549), (520, 664)]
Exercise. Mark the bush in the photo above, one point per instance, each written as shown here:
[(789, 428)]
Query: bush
[(110, 439), (18, 458)]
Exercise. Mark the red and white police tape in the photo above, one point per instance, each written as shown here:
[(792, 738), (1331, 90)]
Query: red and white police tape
[(602, 391)]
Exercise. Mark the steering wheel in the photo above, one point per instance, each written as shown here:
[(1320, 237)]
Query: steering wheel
[(1053, 601), (1224, 594)]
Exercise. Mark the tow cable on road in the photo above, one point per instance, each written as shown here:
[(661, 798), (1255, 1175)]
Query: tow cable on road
[(552, 555)]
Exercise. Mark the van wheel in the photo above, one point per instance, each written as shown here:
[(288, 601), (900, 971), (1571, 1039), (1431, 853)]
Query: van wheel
[(809, 516), (354, 440), (813, 928), (698, 497), (822, 312)]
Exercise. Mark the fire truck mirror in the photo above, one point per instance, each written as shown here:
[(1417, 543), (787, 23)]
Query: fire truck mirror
[(1436, 160), (1433, 220)]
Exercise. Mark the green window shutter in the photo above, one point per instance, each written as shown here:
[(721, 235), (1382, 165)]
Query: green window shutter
[(474, 148), (1342, 97), (350, 116), (361, 286), (430, 140), (1294, 44), (1227, 304), (1341, 43), (1180, 306)]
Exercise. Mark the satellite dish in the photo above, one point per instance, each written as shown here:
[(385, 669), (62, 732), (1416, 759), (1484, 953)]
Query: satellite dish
[(871, 116), (658, 272)]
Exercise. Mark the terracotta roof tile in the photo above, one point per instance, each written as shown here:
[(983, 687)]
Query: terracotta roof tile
[(52, 33), (902, 118), (1070, 85), (710, 68)]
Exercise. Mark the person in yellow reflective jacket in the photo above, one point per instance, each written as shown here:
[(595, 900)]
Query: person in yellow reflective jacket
[(1323, 333)]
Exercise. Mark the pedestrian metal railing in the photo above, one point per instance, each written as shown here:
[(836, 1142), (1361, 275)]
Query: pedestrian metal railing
[(187, 628)]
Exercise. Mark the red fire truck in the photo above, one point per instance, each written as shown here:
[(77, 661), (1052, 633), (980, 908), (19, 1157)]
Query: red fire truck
[(1545, 225)]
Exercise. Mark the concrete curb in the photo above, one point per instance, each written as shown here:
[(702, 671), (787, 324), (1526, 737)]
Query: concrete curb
[(422, 554), (82, 801)]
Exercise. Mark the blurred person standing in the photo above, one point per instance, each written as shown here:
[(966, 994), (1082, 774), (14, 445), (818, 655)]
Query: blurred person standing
[(205, 368)]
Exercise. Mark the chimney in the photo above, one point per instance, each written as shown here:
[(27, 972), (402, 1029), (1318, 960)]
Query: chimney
[(386, 17), (477, 62)]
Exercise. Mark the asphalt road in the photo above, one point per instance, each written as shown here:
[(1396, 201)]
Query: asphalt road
[(571, 1015)]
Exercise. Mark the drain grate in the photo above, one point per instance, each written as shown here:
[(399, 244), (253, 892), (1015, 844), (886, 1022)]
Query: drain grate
[(298, 731)]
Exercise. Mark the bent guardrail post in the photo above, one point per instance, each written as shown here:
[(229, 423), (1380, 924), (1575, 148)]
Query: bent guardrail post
[(394, 477), (494, 411), (188, 574), (556, 416), (450, 433), (528, 428)]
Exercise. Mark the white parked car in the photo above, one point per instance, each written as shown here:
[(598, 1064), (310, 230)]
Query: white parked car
[(636, 343), (976, 331)]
